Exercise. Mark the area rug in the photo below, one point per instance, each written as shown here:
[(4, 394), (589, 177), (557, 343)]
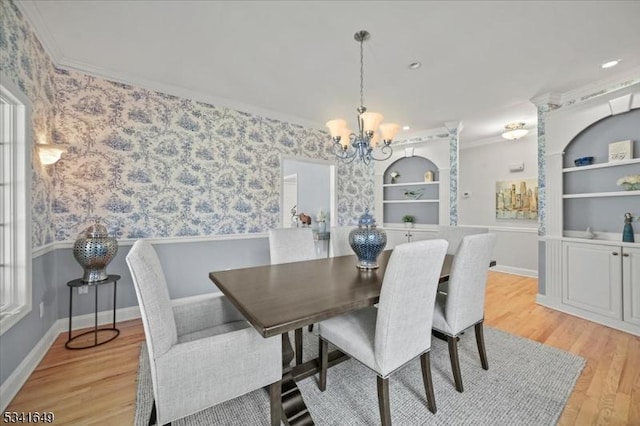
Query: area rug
[(527, 384)]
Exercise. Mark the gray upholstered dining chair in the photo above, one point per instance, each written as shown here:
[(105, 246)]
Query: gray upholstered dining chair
[(399, 330), (201, 353), (288, 245), (463, 305), (339, 241)]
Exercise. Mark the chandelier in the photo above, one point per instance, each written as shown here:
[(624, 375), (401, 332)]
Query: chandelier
[(347, 145)]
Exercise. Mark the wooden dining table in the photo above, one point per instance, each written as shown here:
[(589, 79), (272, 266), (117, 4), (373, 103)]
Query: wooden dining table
[(277, 299)]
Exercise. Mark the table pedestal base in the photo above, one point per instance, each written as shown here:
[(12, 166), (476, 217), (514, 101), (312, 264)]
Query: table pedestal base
[(294, 409)]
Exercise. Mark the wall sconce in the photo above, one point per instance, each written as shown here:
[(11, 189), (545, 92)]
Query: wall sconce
[(514, 131), (49, 153)]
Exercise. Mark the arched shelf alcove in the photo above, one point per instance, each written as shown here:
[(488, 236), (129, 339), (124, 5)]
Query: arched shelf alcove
[(591, 196), (415, 191)]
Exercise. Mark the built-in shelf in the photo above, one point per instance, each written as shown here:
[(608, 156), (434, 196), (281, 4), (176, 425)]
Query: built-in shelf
[(601, 165), (602, 194), (409, 184), (412, 201)]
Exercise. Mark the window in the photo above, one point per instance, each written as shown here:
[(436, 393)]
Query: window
[(15, 214)]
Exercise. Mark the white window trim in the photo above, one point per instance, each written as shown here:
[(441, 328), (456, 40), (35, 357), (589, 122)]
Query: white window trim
[(18, 249)]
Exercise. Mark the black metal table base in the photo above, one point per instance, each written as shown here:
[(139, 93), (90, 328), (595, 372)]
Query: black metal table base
[(96, 331)]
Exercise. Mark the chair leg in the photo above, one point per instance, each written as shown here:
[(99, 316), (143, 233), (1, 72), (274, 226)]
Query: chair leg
[(298, 343), (383, 401), (275, 399), (482, 350), (425, 362), (455, 362), (324, 361)]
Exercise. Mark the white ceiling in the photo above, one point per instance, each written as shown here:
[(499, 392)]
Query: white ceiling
[(482, 61)]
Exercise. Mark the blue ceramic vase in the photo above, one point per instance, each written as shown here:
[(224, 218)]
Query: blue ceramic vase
[(627, 231), (367, 241)]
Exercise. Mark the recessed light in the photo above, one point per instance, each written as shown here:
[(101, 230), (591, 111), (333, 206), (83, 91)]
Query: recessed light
[(406, 128), (610, 64), (415, 65)]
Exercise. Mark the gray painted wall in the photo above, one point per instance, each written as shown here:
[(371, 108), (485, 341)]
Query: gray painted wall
[(20, 339)]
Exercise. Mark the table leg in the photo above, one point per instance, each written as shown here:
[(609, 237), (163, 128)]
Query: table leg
[(294, 410), (70, 311), (95, 321), (115, 286)]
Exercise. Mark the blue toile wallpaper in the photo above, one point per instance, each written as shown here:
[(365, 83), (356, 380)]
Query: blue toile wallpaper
[(155, 165), (25, 63), (150, 164)]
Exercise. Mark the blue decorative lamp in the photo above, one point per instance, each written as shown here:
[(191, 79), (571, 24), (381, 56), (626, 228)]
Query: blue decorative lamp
[(367, 241)]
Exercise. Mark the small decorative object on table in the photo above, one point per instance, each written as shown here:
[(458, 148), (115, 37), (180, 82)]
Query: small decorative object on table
[(304, 219), (408, 220), (583, 161), (321, 218), (412, 194), (94, 249), (367, 241), (394, 176), (621, 151), (627, 232), (630, 183)]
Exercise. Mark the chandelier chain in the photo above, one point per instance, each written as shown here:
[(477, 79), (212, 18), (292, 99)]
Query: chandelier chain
[(361, 73)]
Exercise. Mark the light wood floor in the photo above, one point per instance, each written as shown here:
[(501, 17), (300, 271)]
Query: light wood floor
[(98, 385)]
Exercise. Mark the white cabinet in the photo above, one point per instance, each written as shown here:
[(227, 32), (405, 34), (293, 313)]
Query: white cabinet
[(593, 278), (603, 279), (397, 236), (631, 284)]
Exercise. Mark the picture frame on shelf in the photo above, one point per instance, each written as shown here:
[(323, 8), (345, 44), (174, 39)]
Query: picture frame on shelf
[(620, 151)]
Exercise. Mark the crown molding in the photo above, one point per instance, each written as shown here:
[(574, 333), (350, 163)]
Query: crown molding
[(547, 99), (430, 135), (589, 91), (182, 92), (39, 26), (32, 14)]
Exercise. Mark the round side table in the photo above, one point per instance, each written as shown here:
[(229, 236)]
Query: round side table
[(96, 331)]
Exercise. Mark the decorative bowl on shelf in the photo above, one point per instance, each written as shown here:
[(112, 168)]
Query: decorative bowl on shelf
[(583, 161)]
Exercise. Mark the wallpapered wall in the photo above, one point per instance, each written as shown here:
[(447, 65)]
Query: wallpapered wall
[(155, 165), (24, 61)]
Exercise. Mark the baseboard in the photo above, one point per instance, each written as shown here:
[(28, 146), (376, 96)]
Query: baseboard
[(14, 382), (104, 317), (17, 379), (557, 305), (533, 273)]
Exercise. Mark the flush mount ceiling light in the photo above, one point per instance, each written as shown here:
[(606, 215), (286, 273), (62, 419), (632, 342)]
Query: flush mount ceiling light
[(610, 64), (514, 131), (348, 146)]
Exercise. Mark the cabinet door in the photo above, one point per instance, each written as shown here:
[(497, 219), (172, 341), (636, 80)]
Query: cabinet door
[(395, 237), (422, 235), (592, 278), (631, 284)]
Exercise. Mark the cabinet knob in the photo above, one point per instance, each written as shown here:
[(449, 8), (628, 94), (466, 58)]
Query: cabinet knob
[(625, 254), (615, 253)]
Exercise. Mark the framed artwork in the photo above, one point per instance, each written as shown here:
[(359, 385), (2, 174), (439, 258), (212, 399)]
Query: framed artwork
[(620, 151), (517, 199)]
